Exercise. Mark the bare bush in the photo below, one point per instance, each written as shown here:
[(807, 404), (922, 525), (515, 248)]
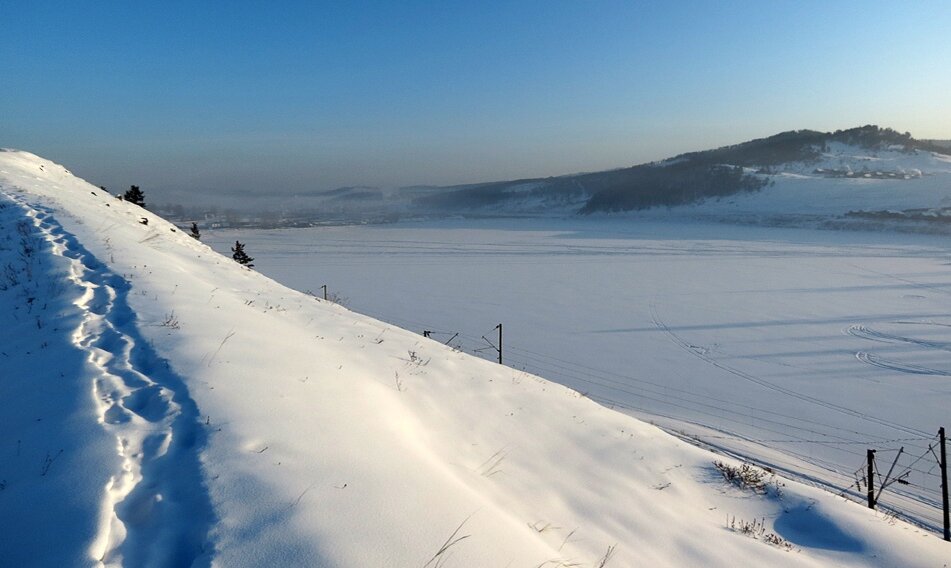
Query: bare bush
[(337, 299), (747, 476), (171, 321), (756, 529)]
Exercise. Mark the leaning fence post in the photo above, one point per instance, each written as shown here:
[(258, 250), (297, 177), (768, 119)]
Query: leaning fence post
[(870, 456)]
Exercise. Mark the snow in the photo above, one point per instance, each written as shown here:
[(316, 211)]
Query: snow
[(733, 334), (208, 415), (798, 189)]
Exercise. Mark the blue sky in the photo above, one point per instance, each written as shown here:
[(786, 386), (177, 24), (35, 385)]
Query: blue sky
[(290, 96)]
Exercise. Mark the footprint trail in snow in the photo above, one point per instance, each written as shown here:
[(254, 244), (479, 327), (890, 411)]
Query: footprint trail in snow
[(156, 510)]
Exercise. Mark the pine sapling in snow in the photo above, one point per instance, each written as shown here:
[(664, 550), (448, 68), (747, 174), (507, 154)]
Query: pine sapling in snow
[(240, 256), (135, 195)]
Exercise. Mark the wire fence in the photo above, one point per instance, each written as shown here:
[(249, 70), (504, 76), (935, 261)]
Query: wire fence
[(909, 488)]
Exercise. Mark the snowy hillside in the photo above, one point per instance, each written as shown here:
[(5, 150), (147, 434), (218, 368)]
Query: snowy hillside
[(844, 179), (164, 406)]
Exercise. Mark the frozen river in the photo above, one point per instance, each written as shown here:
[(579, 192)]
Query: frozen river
[(797, 348)]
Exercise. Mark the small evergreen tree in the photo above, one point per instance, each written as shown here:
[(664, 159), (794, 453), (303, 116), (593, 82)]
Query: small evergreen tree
[(195, 234), (135, 195), (240, 256)]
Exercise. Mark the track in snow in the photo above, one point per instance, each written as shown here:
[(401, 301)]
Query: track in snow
[(916, 506), (863, 332), (683, 344), (907, 368), (156, 511)]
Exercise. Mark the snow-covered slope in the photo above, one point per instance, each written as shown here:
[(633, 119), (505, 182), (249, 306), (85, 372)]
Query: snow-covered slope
[(845, 178), (164, 406)]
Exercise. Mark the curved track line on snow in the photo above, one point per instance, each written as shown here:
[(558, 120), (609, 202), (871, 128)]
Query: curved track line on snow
[(862, 332), (156, 511), (906, 368)]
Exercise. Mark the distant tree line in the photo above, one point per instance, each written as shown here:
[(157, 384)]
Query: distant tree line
[(494, 193), (677, 184)]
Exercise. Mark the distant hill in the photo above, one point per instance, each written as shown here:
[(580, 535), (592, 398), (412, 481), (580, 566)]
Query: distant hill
[(684, 179)]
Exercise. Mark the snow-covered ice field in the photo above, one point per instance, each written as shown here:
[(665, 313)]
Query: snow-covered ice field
[(798, 348)]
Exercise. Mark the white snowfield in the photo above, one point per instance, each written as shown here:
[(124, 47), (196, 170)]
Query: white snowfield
[(164, 406)]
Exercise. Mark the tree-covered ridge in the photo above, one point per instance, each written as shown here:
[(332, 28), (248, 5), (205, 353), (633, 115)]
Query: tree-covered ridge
[(805, 145), (648, 186), (684, 179)]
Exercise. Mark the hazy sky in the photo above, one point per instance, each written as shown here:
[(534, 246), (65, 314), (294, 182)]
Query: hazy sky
[(291, 96)]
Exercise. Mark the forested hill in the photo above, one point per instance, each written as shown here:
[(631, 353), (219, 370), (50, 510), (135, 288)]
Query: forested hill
[(684, 179)]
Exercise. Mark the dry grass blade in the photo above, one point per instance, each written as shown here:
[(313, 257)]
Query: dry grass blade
[(567, 538), (490, 466), (440, 556), (223, 341), (607, 556)]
